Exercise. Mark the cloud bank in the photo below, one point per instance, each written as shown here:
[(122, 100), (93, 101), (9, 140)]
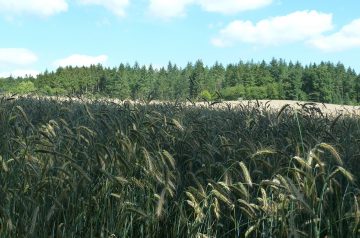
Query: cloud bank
[(177, 8), (81, 60), (348, 37), (296, 26), (16, 56), (19, 73), (116, 6), (43, 8), (232, 6)]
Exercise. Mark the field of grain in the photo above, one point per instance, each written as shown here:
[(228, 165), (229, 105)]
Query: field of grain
[(325, 108), (104, 168)]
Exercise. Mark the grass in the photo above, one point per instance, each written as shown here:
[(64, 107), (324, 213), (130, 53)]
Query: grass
[(99, 169)]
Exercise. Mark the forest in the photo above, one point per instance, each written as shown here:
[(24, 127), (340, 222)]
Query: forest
[(324, 82)]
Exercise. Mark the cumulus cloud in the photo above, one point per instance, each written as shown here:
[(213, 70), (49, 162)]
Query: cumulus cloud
[(176, 8), (232, 6), (81, 60), (346, 38), (116, 6), (296, 26), (20, 73), (169, 9), (46, 8), (32, 7), (16, 56)]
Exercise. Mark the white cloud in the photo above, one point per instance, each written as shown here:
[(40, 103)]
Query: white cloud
[(16, 56), (167, 8), (232, 6), (175, 8), (296, 26), (19, 73), (115, 6), (81, 60), (33, 7), (346, 38)]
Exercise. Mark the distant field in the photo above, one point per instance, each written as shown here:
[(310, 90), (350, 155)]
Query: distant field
[(278, 104), (326, 108)]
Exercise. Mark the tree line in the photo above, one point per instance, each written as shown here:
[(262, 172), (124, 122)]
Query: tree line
[(324, 82)]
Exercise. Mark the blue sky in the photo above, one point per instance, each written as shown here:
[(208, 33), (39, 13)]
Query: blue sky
[(44, 34)]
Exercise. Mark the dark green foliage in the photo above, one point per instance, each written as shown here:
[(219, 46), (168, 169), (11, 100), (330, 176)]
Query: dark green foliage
[(325, 82)]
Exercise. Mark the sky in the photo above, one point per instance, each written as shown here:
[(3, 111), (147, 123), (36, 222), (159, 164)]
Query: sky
[(39, 35)]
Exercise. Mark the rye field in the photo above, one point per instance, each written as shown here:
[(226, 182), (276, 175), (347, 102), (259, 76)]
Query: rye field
[(102, 169)]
